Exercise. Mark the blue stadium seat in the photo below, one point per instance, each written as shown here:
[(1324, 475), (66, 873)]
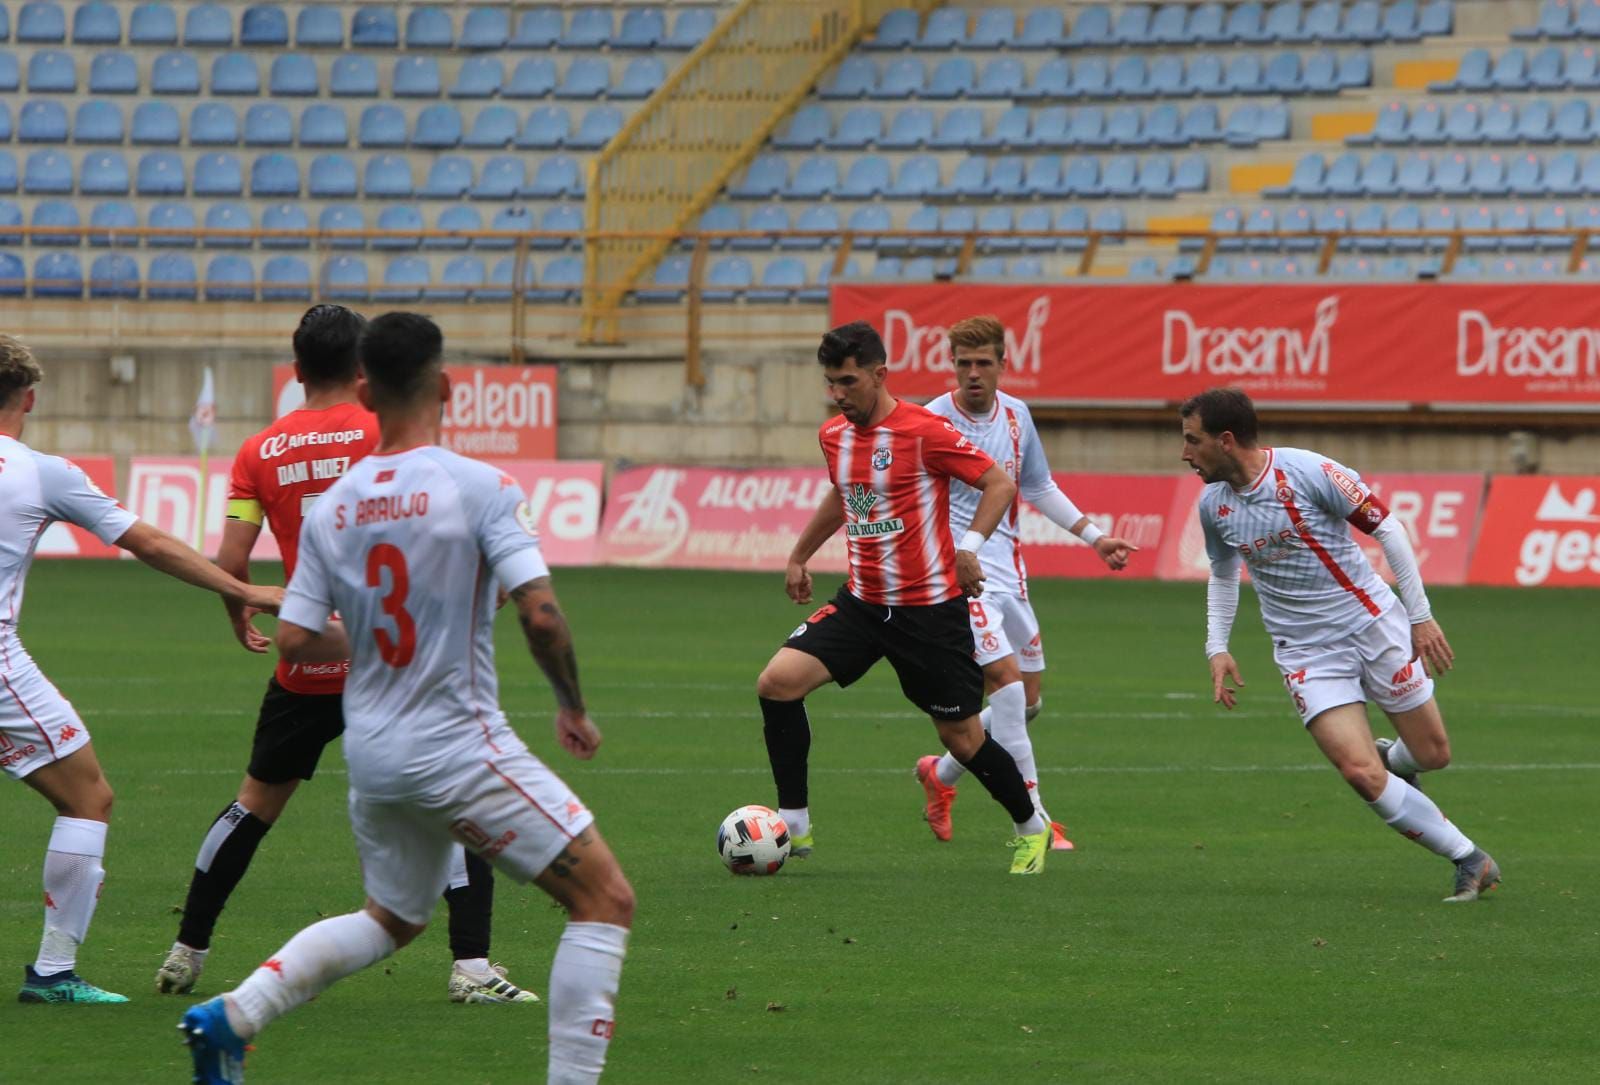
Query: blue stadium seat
[(642, 28), (1427, 124), (41, 21), (946, 28), (764, 178), (1205, 75), (533, 77), (814, 218), (547, 127), (111, 216), (1120, 176), (230, 278), (1370, 219), (171, 216), (429, 28), (773, 217), (508, 219), (585, 77), (353, 77), (263, 24), (1325, 21), (388, 176), (1555, 21), (1583, 66), (902, 78), (208, 24), (1450, 175), (344, 278), (1207, 25), (1243, 75), (557, 175), (1192, 173), (1473, 73), (318, 25), (227, 216), (1536, 122), (1511, 70), (1052, 79), (1488, 175), (856, 77), (502, 178), (868, 176), (382, 126), (1091, 27), (285, 216), (1283, 22), (1132, 25), (1082, 177), (1201, 124), (171, 276), (213, 124), (562, 218), (1355, 70), (1002, 77), (332, 176), (728, 278), (870, 219), (96, 23), (1586, 20), (113, 275), (1245, 24), (113, 73), (1441, 219), (374, 28), (461, 279), (1515, 217), (1463, 123), (485, 28), (537, 28), (911, 128), (343, 217), (1572, 123), (991, 221), (917, 177), (416, 77), (1091, 78), (55, 213), (12, 276), (1130, 78), (294, 75), (1552, 217), (781, 281), (1043, 176), (1155, 177), (897, 29), (103, 173), (1546, 69), (404, 218), (1400, 22), (1415, 176), (57, 275), (42, 120), (1500, 123), (996, 28), (456, 217), (1525, 176), (155, 124), (815, 178), (668, 283), (268, 124), (810, 126), (589, 28), (323, 125), (598, 127), (1561, 174), (562, 279), (218, 174), (858, 128), (273, 175), (478, 77), (50, 71), (1042, 28), (640, 78), (47, 173), (153, 24), (1166, 77), (970, 179), (1379, 175), (690, 27), (1017, 127), (438, 126), (285, 278), (449, 178), (719, 217), (1283, 75), (958, 128), (175, 73)]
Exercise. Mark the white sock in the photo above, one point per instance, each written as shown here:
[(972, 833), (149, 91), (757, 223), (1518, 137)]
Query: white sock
[(1033, 825), (949, 769), (1010, 705), (799, 821), (199, 955), (476, 967), (583, 994), (72, 877), (1413, 815), (1401, 761), (306, 966)]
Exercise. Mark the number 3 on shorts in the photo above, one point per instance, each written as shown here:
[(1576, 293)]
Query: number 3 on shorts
[(387, 556)]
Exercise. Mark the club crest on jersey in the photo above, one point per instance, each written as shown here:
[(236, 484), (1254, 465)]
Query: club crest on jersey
[(1285, 494), (527, 520), (881, 459)]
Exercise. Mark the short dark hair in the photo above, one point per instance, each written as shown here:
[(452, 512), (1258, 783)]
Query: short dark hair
[(859, 340), (1224, 410), (398, 353), (325, 344)]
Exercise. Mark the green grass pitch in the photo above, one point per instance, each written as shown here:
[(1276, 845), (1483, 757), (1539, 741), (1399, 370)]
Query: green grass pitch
[(1233, 914)]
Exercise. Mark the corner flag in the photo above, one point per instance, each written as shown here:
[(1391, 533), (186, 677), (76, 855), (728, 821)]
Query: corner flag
[(203, 428)]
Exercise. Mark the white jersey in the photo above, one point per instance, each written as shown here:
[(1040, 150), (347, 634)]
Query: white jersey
[(36, 490), (409, 549), (1291, 526), (1010, 439)]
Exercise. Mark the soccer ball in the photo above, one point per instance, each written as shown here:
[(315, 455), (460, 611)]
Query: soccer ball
[(753, 840)]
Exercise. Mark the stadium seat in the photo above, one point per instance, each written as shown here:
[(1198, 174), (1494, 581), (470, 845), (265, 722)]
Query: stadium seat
[(1553, 218), (815, 178), (1245, 24), (461, 279), (533, 77), (1561, 175), (429, 28), (1052, 79), (1463, 123), (858, 128), (561, 281), (227, 216), (902, 78), (1379, 175), (641, 28), (273, 175), (374, 28), (343, 217), (868, 220), (318, 25), (41, 21), (293, 75), (416, 77), (218, 174), (208, 24), (353, 77), (508, 220), (958, 128), (12, 276), (1205, 75), (728, 278), (268, 124), (285, 278), (1488, 175), (112, 275), (946, 28), (285, 216), (153, 24), (478, 77), (171, 276), (1572, 122), (1546, 69), (1450, 175), (772, 217), (818, 217), (537, 28), (547, 127), (1510, 71), (110, 216), (588, 28), (718, 218), (438, 126), (175, 73), (1201, 124), (449, 178), (1042, 28), (1016, 128), (598, 127), (1283, 22), (213, 124), (856, 77), (1401, 22), (585, 77), (485, 28), (388, 176), (96, 23), (459, 217), (113, 73), (47, 173), (382, 126), (344, 278), (323, 126), (51, 71), (640, 78), (263, 24), (1091, 27), (1415, 176), (332, 176), (502, 178), (57, 275), (406, 220), (1002, 77), (171, 216), (1132, 25), (230, 278), (1130, 78), (896, 29), (55, 213), (1525, 176), (1091, 78), (155, 124), (560, 219), (765, 177), (909, 129), (690, 27), (557, 175), (103, 173), (917, 177), (868, 176), (42, 120), (809, 127), (781, 280)]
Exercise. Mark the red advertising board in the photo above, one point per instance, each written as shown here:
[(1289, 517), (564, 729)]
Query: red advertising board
[(494, 411), (62, 540), (1540, 530), (1134, 507), (1534, 345), (564, 497), (707, 518)]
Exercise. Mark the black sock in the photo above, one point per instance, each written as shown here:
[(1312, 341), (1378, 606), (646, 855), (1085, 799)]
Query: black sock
[(471, 911), (997, 771), (788, 735), (225, 855)]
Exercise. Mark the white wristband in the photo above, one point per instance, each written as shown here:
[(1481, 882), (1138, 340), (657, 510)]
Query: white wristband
[(1091, 533), (972, 542)]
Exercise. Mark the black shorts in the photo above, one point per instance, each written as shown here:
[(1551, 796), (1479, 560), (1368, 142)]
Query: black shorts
[(930, 648), (291, 732)]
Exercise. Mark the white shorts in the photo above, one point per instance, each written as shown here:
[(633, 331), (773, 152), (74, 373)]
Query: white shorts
[(1003, 625), (1373, 664), (38, 726), (515, 812)]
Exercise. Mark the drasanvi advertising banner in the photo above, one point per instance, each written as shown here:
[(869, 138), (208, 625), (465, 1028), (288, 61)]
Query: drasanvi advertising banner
[(1540, 530), (1338, 344)]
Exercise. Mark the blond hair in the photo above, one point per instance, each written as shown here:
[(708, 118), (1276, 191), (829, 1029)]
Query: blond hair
[(977, 332), (18, 370)]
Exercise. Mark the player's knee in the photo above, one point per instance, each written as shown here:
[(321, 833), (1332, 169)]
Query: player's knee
[(1368, 780), (774, 685), (609, 900)]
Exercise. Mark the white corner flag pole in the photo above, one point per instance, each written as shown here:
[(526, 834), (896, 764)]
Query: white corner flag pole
[(203, 427)]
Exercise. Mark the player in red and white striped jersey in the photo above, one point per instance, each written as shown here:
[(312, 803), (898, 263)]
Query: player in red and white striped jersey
[(892, 464), (1339, 635)]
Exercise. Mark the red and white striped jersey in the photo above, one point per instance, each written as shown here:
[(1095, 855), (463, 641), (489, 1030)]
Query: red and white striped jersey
[(1292, 527), (894, 481)]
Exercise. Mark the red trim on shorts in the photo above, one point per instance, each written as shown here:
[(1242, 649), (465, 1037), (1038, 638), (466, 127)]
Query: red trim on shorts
[(1016, 503), (1339, 575), (42, 732), (531, 801), (472, 658)]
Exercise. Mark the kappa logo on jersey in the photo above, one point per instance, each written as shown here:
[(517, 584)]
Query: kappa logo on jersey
[(1223, 512), (1346, 484), (575, 809), (862, 499), (274, 965), (386, 475), (881, 459), (1295, 676), (68, 733)]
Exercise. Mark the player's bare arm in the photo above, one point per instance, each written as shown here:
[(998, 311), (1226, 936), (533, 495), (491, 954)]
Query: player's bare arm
[(166, 554), (300, 645), (1224, 670), (998, 493), (827, 520), (550, 642), (233, 558)]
